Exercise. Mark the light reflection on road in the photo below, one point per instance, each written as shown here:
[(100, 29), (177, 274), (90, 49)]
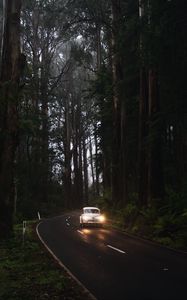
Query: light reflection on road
[(86, 231)]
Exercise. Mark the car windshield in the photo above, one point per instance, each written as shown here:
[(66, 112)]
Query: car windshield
[(91, 211)]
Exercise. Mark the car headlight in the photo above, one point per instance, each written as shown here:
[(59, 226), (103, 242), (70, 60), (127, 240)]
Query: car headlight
[(102, 218)]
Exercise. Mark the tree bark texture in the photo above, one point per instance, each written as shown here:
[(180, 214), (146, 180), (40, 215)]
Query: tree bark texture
[(9, 85)]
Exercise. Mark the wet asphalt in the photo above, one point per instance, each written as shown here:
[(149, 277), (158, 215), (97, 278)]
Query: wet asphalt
[(113, 265)]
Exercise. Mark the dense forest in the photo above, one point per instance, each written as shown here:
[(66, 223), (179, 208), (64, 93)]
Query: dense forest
[(93, 111)]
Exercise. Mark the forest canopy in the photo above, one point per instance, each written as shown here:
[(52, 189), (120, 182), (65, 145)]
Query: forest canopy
[(93, 110)]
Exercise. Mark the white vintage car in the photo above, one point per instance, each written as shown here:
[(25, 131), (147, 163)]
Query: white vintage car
[(91, 215)]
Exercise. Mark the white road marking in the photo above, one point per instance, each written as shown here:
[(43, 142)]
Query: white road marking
[(91, 296), (114, 248), (80, 231)]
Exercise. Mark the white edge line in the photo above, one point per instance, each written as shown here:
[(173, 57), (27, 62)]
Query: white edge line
[(144, 240), (114, 248), (63, 266)]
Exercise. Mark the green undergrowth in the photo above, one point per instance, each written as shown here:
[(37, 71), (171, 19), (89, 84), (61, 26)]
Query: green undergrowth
[(28, 272), (163, 222), (168, 228)]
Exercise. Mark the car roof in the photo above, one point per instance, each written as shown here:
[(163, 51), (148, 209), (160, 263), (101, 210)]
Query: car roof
[(90, 207)]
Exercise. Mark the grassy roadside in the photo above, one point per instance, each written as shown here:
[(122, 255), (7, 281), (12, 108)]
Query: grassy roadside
[(27, 272)]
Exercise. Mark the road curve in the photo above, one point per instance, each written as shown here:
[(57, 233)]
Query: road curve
[(113, 265)]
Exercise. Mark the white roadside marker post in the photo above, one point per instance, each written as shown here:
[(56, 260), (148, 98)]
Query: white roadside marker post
[(24, 230), (39, 217)]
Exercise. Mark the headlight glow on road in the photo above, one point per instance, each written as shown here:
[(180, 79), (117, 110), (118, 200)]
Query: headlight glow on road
[(86, 231), (102, 218)]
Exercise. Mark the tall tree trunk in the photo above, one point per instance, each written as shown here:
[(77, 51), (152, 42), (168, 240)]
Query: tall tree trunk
[(80, 179), (35, 161), (98, 39), (76, 172), (98, 28), (151, 186), (155, 170), (143, 123), (96, 162), (67, 172), (143, 135), (77, 156), (45, 130), (91, 163), (119, 175), (9, 85), (85, 163)]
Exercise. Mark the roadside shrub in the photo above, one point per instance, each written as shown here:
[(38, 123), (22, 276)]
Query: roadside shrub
[(129, 214)]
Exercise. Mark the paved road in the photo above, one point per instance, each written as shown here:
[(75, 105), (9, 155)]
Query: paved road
[(113, 265)]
